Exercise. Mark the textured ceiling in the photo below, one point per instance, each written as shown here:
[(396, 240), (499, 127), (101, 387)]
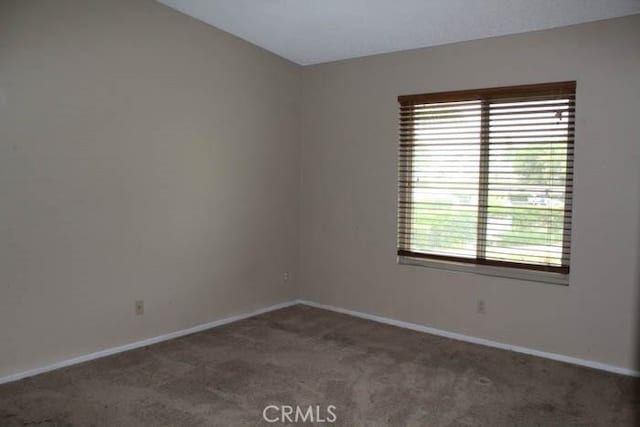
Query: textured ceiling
[(315, 31)]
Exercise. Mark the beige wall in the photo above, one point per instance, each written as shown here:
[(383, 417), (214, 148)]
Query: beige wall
[(143, 155), (348, 194)]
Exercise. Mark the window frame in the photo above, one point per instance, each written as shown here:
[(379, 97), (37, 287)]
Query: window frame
[(518, 270)]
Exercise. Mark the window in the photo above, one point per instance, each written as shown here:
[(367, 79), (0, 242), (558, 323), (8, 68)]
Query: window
[(486, 176)]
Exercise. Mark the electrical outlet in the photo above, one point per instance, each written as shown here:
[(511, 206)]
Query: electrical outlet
[(285, 276), (481, 308), (139, 307)]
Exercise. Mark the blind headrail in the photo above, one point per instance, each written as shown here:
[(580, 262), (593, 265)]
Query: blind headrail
[(541, 89)]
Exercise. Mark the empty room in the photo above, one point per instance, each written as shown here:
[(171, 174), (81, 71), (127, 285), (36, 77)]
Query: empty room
[(319, 212)]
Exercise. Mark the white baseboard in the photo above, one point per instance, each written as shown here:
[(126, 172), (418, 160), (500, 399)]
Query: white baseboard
[(142, 343), (475, 340), (379, 319)]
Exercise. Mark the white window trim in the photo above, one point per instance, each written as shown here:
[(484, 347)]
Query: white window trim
[(489, 270)]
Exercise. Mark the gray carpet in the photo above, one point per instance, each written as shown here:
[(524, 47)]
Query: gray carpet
[(374, 374)]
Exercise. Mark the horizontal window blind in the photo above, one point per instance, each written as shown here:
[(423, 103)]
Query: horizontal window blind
[(486, 176)]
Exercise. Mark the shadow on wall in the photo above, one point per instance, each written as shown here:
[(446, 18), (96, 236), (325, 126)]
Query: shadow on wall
[(636, 336)]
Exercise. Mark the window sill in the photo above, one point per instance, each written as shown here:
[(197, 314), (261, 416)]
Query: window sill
[(486, 270)]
